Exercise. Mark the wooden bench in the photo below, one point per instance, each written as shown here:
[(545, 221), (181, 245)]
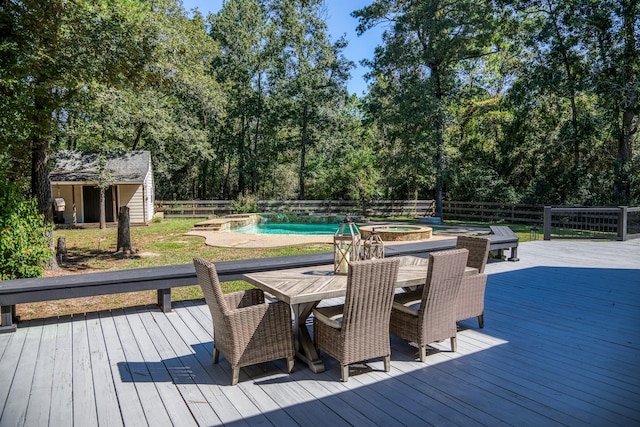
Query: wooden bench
[(162, 279), (504, 238)]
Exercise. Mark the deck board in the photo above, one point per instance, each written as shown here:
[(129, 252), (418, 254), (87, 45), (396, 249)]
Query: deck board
[(16, 406), (61, 411), (107, 407), (124, 386), (559, 347), (156, 372), (473, 391), (8, 362), (84, 403), (137, 374), (268, 409), (40, 398)]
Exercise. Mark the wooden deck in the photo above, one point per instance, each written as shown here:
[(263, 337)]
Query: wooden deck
[(560, 347)]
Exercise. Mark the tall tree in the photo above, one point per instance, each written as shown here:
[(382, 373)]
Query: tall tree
[(310, 75), (579, 62), (426, 41), (240, 29), (611, 31)]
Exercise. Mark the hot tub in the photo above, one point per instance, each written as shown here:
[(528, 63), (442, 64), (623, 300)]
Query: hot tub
[(394, 233)]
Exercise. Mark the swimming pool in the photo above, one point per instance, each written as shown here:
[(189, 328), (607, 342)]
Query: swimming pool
[(387, 232), (308, 229)]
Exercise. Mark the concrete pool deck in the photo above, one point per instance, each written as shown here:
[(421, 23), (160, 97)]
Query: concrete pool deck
[(227, 239)]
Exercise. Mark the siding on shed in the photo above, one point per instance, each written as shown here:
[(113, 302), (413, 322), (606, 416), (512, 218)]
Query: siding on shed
[(131, 196), (149, 196)]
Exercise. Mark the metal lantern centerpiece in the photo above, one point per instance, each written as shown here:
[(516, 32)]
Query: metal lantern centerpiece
[(373, 246), (346, 245)]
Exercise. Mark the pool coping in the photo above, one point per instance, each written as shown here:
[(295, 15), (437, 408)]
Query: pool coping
[(226, 239)]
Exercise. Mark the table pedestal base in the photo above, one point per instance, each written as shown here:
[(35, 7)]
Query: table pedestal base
[(305, 350)]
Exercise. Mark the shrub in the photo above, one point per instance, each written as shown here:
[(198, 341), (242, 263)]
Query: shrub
[(24, 235), (244, 204)]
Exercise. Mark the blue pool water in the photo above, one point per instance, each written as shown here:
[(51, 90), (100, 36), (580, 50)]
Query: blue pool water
[(306, 229), (317, 229)]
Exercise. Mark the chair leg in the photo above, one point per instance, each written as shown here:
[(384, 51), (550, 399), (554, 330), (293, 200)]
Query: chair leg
[(387, 363), (423, 353), (235, 375), (290, 364), (481, 321), (454, 344), (344, 375), (216, 354)]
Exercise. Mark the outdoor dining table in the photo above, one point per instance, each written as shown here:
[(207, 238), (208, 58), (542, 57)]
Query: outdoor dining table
[(304, 288)]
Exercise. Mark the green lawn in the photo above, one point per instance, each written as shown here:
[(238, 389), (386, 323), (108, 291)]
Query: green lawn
[(160, 243)]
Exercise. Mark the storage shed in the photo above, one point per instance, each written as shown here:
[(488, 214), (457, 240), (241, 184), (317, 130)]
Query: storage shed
[(75, 178)]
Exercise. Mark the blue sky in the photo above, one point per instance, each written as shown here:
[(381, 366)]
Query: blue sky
[(339, 22)]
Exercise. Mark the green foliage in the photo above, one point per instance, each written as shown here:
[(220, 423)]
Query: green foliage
[(244, 204), (284, 79), (470, 99), (24, 236), (416, 69)]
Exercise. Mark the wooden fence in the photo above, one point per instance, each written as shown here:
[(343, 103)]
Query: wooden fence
[(493, 212), (488, 212), (619, 223), (385, 208)]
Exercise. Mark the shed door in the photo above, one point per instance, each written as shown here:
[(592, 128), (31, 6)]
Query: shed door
[(91, 199)]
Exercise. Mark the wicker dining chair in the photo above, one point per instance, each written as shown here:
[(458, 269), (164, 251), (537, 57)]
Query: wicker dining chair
[(358, 330), (472, 289), (246, 330), (428, 314)]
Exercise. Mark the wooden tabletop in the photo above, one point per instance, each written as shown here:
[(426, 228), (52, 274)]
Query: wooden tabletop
[(303, 285)]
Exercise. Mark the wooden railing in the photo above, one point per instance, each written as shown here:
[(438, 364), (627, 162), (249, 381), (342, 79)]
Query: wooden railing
[(493, 212), (619, 223), (386, 208)]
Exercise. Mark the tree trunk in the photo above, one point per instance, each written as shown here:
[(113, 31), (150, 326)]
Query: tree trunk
[(242, 148), (61, 250), (103, 209), (40, 149), (303, 151), (40, 182), (571, 95), (630, 99), (255, 155), (136, 140), (439, 129), (124, 235)]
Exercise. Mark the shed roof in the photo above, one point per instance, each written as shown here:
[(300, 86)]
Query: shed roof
[(82, 166)]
